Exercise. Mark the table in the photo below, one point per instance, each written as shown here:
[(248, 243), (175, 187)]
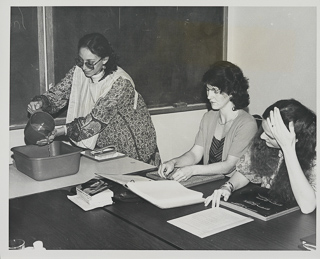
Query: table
[(60, 224), (281, 233), (22, 185), (50, 217)]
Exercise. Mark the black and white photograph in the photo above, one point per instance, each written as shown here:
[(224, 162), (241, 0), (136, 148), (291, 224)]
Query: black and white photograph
[(196, 122)]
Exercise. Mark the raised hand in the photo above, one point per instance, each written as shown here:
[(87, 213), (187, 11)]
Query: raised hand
[(285, 138)]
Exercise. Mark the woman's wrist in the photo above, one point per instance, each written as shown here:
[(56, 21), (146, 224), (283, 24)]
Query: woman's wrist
[(228, 186), (61, 130), (173, 162), (289, 151)]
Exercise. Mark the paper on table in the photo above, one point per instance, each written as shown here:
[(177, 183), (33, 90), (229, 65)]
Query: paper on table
[(210, 221), (165, 193), (86, 206)]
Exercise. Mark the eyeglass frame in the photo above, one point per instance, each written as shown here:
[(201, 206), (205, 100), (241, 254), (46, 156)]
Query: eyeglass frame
[(216, 91), (86, 63)]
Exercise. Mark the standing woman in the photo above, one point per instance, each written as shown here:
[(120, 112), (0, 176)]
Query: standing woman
[(282, 157), (225, 131), (103, 106)]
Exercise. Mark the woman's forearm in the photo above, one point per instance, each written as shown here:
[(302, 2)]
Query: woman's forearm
[(301, 188), (224, 167), (187, 159)]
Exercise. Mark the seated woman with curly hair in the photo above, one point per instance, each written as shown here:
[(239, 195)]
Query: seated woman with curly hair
[(282, 157), (225, 131)]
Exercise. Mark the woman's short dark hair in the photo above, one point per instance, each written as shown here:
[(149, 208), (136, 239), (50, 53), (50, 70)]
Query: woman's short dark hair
[(100, 46), (229, 79)]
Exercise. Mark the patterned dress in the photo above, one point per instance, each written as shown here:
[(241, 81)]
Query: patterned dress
[(118, 117), (244, 164)]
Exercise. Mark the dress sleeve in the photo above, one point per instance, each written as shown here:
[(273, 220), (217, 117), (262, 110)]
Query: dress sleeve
[(103, 112), (243, 167), (57, 96)]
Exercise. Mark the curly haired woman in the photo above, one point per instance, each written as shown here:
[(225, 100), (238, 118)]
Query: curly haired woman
[(282, 157), (225, 131)]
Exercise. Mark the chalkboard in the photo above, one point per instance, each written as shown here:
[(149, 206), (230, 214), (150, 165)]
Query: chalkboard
[(166, 50), (24, 62)]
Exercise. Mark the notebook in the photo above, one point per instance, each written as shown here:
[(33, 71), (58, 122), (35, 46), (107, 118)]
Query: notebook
[(255, 201)]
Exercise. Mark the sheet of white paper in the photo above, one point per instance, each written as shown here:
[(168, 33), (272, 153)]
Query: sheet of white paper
[(86, 206), (166, 193), (210, 221)]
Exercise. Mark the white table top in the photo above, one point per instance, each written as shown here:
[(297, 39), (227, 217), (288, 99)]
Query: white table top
[(22, 185)]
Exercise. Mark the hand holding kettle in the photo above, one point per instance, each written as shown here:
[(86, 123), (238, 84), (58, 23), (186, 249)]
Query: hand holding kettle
[(58, 131), (34, 106), (40, 128)]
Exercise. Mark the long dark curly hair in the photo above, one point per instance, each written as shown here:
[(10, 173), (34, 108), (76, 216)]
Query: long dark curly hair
[(264, 160), (100, 46), (229, 79)]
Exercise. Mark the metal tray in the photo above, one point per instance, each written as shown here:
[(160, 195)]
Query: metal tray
[(47, 162)]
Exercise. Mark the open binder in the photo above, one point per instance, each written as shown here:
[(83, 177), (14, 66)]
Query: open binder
[(166, 194), (163, 193)]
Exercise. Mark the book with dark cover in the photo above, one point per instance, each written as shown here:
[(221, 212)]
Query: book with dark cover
[(192, 181), (255, 201)]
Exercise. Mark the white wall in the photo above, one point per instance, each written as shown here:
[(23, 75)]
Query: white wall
[(175, 133), (276, 49)]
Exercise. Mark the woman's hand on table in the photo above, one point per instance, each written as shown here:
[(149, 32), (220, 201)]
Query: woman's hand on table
[(216, 196), (166, 168), (182, 174)]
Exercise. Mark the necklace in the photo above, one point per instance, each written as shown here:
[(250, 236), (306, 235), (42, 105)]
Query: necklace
[(219, 121), (225, 122)]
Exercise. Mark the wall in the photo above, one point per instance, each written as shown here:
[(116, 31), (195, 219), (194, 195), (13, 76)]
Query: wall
[(175, 133), (275, 47)]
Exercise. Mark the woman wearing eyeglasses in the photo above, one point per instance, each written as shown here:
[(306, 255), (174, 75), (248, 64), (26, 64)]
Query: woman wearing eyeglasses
[(103, 106), (225, 131)]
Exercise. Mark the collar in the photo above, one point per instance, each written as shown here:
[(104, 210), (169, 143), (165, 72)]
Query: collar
[(96, 78)]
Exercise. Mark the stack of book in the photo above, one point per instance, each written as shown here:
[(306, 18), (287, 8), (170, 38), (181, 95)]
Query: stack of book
[(93, 194)]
